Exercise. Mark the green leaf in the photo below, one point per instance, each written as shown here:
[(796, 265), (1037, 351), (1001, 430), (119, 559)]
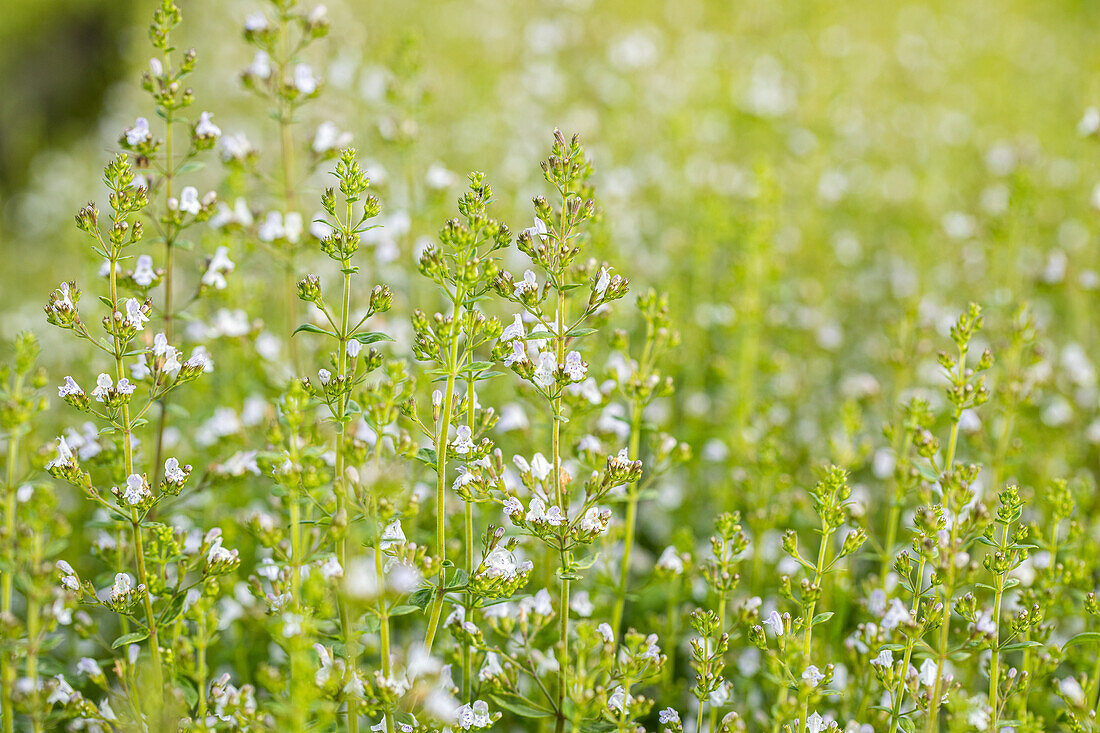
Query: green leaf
[(192, 165), (1084, 638), (310, 328), (403, 610), (422, 598), (427, 456), (131, 638), (371, 337), (175, 608), (821, 618), (520, 706)]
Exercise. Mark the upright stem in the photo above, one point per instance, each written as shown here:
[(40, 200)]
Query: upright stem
[(200, 664), (441, 438), (631, 522), (808, 631), (351, 651), (169, 249), (135, 519), (895, 712), (995, 658), (563, 501), (34, 629), (933, 722), (7, 674), (467, 652)]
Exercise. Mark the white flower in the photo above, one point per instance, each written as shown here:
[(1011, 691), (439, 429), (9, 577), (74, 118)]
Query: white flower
[(325, 376), (885, 658), (304, 80), (652, 651), (983, 623), (670, 561), (331, 568), (173, 474), (815, 723), (139, 133), (928, 671), (515, 330), (189, 200), (137, 490), (353, 348), (64, 454), (61, 693), (125, 387), (617, 700), (144, 274), (255, 22), (606, 632), (472, 717), (1071, 689), (574, 368), (122, 586), (134, 316), (156, 68), (812, 675), (540, 467), (544, 372), (206, 128), (271, 228), (518, 355), (103, 386), (215, 271), (529, 284), (329, 137), (235, 146), (602, 282), (895, 614), (438, 177), (292, 225), (594, 521), (393, 534), (463, 442), (69, 388), (513, 506), (667, 716), (200, 360), (88, 666), (581, 604), (491, 668)]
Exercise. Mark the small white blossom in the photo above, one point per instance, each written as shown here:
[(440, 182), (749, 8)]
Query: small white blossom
[(205, 127), (139, 133)]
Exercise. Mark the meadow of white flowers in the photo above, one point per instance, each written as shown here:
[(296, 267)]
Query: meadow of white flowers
[(316, 433)]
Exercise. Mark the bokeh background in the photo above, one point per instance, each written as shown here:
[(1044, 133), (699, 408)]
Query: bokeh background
[(893, 159), (820, 188)]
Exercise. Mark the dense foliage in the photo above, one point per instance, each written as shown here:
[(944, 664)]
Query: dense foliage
[(313, 439)]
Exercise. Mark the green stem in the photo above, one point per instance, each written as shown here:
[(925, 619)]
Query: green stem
[(933, 723), (631, 523), (442, 436), (169, 241), (135, 520), (34, 630), (351, 651), (899, 692), (7, 674), (562, 500), (808, 621)]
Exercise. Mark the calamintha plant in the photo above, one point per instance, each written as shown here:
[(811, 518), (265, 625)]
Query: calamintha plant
[(488, 496)]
